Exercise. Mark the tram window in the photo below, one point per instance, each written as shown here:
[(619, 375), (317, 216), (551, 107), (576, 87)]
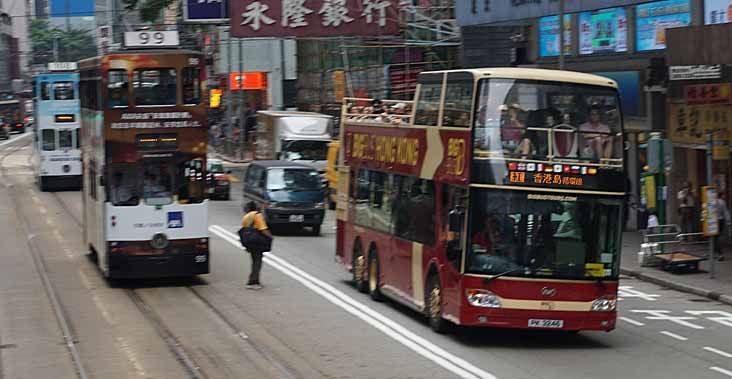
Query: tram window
[(191, 86), (45, 91), (78, 138), (48, 139), (157, 185), (155, 86), (117, 88), (428, 105), (65, 139), (63, 91)]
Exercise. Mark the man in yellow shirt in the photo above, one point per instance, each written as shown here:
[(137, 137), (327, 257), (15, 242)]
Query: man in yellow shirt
[(254, 219)]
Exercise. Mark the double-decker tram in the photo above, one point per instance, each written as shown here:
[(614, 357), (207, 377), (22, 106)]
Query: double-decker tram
[(57, 143), (499, 204), (144, 132)]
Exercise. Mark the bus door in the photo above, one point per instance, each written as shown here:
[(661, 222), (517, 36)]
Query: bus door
[(454, 237)]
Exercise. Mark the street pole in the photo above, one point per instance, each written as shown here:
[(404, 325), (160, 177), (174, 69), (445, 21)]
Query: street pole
[(242, 122), (229, 103), (712, 238), (55, 48), (561, 34)]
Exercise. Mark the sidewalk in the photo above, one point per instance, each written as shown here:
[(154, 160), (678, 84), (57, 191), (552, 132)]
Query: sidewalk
[(232, 157), (698, 283)]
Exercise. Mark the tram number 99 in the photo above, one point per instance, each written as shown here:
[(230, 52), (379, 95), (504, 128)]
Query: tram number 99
[(151, 38), (155, 38), (200, 258)]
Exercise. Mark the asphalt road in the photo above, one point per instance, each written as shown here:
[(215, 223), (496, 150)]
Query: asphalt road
[(308, 321)]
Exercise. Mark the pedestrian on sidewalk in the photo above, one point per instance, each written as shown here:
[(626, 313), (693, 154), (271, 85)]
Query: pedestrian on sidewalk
[(724, 218), (254, 219), (686, 208)]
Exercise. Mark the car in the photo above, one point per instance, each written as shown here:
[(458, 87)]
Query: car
[(219, 184), (288, 193), (17, 127), (4, 130)]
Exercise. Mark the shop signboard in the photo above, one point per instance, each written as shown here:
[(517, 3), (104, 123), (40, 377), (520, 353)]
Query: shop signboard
[(206, 11), (603, 31), (718, 93), (248, 80), (690, 124), (652, 20), (717, 11), (698, 72), (314, 18), (720, 145), (549, 36), (710, 214)]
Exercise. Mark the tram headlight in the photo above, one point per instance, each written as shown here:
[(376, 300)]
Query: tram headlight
[(482, 298), (606, 303)]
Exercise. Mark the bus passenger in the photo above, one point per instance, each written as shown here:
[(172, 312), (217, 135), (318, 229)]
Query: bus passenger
[(513, 130), (598, 142), (487, 238)]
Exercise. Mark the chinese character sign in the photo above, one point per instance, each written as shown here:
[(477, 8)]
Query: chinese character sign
[(707, 94), (691, 124), (313, 18)]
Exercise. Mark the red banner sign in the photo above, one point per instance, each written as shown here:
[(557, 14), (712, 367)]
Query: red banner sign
[(248, 80), (708, 94), (313, 18)]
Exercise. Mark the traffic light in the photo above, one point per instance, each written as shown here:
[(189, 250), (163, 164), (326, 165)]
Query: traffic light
[(215, 97), (656, 73)]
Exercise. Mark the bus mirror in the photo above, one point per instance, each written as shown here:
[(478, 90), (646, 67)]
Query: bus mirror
[(455, 220)]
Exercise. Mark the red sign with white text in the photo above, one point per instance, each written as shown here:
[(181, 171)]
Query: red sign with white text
[(313, 18)]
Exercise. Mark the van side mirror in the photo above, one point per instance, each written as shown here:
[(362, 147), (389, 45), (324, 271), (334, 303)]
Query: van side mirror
[(455, 220)]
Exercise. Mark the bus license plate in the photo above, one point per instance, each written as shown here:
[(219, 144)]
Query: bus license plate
[(541, 323), (297, 218)]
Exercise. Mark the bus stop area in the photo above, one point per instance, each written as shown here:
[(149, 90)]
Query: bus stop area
[(697, 282)]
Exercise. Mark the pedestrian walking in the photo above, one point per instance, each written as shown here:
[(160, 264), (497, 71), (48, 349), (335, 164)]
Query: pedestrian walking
[(687, 203), (724, 218), (253, 219)]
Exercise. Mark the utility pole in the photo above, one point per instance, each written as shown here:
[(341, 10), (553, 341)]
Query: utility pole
[(561, 34), (712, 236), (68, 10), (242, 121)]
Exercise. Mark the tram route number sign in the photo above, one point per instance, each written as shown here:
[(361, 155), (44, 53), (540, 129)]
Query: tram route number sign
[(152, 39)]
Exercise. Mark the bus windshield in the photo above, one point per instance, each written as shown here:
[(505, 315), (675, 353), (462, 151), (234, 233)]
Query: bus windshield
[(540, 119), (543, 235)]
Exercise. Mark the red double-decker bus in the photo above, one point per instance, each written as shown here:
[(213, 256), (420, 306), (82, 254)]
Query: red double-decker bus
[(498, 202)]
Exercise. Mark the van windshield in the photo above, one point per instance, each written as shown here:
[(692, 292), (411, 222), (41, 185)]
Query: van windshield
[(293, 179)]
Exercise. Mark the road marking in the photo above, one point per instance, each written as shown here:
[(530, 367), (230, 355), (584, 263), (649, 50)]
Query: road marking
[(16, 139), (631, 321), (721, 370), (672, 335), (387, 326), (724, 318), (664, 315), (717, 351), (628, 291)]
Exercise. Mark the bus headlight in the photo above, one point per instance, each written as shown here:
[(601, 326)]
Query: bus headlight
[(604, 304), (482, 298)]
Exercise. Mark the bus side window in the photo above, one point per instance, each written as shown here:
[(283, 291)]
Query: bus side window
[(428, 103), (458, 100), (454, 201)]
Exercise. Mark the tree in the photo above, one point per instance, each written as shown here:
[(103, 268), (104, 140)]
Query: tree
[(73, 44), (149, 9)]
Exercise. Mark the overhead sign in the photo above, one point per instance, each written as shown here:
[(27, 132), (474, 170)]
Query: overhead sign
[(314, 18), (699, 72), (717, 11), (707, 94), (62, 66), (208, 11), (151, 38), (549, 36), (652, 20), (248, 80)]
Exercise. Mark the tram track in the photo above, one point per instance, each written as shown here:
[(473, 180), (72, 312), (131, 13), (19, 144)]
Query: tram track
[(42, 270), (181, 352)]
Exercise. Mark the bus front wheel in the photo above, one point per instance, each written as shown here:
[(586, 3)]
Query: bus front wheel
[(433, 305), (374, 274)]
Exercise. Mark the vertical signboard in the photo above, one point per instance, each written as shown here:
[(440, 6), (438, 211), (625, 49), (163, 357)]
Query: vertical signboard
[(603, 31), (209, 11), (549, 36), (710, 214), (652, 20)]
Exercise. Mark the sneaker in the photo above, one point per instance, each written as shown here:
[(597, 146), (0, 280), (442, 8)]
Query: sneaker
[(253, 286)]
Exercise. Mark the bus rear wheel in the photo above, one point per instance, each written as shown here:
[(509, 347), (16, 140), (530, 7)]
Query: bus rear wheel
[(374, 274), (358, 269), (433, 305)]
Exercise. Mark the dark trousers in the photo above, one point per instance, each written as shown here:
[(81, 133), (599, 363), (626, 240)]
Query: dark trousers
[(687, 219), (256, 266)]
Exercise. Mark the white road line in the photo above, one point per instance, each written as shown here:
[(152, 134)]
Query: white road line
[(631, 321), (434, 353), (16, 139), (672, 335), (717, 351), (721, 370)]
